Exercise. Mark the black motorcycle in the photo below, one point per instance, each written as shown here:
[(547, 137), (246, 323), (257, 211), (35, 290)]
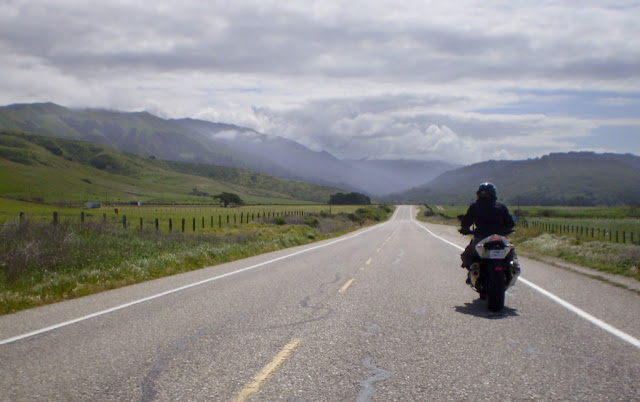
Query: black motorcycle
[(494, 271)]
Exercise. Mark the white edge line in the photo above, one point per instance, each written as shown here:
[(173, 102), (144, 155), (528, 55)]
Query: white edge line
[(581, 313), (168, 292)]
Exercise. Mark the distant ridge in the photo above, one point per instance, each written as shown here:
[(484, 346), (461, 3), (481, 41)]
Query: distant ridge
[(574, 178)]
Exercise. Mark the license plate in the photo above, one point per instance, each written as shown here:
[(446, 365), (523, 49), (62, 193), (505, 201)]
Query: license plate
[(497, 254)]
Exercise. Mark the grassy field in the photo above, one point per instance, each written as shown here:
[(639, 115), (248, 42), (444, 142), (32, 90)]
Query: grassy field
[(537, 234), (43, 263)]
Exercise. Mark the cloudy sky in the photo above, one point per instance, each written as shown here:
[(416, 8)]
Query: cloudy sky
[(462, 81)]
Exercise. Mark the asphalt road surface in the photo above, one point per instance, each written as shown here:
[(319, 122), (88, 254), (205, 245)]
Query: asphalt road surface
[(379, 314)]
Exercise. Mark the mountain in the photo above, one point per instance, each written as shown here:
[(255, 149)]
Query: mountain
[(575, 178), (140, 133), (218, 144), (53, 170), (381, 176)]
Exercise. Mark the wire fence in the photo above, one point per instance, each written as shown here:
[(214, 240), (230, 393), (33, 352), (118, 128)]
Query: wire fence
[(177, 224), (601, 234)]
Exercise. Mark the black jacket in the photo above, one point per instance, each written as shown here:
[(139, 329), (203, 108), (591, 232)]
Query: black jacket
[(489, 216)]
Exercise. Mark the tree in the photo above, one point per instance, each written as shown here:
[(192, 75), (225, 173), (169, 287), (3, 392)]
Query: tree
[(349, 199), (228, 198)]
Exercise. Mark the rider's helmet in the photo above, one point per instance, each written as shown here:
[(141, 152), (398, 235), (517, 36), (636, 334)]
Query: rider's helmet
[(487, 191)]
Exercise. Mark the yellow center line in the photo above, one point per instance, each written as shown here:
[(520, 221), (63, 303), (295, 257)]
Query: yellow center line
[(261, 378), (346, 285)]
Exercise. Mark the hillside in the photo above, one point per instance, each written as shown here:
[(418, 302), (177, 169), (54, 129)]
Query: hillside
[(53, 170), (576, 178), (219, 144)]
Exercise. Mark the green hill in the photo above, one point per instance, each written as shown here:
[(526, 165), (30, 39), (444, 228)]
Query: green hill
[(138, 133), (575, 178), (50, 170)]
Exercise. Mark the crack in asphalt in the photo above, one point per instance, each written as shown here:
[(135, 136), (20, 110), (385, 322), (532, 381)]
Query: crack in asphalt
[(377, 374)]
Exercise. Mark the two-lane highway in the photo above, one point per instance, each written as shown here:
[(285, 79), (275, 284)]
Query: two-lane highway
[(379, 314)]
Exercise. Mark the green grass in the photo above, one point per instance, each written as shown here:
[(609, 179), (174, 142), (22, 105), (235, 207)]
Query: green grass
[(42, 263)]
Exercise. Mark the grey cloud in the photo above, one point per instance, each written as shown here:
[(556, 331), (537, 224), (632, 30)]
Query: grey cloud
[(357, 79), (243, 38)]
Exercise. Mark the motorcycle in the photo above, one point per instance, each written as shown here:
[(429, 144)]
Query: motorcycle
[(495, 271)]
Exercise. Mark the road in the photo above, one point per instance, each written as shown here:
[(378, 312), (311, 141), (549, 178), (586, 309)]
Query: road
[(378, 314)]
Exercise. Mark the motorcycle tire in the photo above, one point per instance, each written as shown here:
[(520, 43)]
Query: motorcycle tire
[(496, 288)]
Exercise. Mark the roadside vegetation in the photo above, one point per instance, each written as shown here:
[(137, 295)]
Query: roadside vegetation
[(42, 263), (536, 234)]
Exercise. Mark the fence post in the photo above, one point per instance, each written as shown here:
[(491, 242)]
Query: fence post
[(21, 218), (124, 221), (183, 222), (141, 224), (82, 217), (55, 218), (170, 225), (157, 225), (194, 224)]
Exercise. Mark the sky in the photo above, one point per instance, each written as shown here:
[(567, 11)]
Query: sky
[(460, 81)]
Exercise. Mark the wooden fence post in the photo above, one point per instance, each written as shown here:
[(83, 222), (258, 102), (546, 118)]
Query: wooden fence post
[(141, 223), (157, 225), (21, 218), (82, 217), (55, 218), (183, 223), (170, 225), (124, 221)]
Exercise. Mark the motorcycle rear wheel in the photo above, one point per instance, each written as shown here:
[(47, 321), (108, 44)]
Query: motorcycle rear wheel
[(496, 289)]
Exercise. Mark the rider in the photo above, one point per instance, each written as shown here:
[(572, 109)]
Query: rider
[(490, 217)]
